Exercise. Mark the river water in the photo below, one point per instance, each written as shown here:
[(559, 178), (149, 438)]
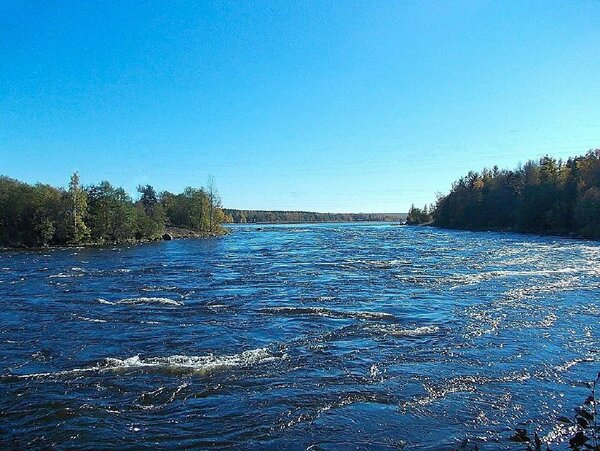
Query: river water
[(299, 336)]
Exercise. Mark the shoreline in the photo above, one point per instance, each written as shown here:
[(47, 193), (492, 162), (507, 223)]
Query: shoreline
[(309, 222), (173, 233), (573, 236)]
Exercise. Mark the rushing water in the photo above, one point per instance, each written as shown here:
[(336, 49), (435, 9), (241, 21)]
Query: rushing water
[(303, 336)]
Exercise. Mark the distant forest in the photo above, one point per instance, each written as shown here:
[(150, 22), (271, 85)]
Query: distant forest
[(40, 215), (548, 196), (263, 216)]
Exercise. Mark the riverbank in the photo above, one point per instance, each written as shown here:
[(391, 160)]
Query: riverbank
[(176, 233), (571, 235), (170, 233)]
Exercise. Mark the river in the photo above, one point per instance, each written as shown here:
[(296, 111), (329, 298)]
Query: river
[(320, 336)]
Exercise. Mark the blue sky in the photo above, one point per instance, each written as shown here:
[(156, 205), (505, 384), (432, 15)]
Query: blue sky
[(315, 105)]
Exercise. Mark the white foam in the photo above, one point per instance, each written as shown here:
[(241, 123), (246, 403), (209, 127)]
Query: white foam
[(374, 371), (460, 384), (566, 284), (567, 365), (396, 331), (150, 300), (372, 315), (91, 320), (142, 300), (205, 363), (158, 288), (325, 298), (329, 313), (175, 363), (63, 275)]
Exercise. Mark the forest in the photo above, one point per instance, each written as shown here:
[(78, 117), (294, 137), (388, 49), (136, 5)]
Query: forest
[(265, 216), (548, 196), (41, 215)]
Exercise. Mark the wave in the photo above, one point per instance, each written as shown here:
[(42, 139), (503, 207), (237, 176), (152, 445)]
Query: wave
[(308, 415), (383, 264), (568, 284), (328, 313), (159, 288), (160, 397), (471, 383), (143, 301), (436, 390), (457, 279), (566, 366), (91, 320), (64, 275), (172, 364), (365, 264), (397, 331), (196, 364)]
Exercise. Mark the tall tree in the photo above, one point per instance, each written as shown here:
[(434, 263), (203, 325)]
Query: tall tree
[(214, 201), (77, 230), (148, 198), (150, 217)]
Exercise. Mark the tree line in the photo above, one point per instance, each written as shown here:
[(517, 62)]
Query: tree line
[(40, 214), (266, 216), (418, 215), (548, 196)]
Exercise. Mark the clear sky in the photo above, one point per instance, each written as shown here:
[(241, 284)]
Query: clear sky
[(321, 105)]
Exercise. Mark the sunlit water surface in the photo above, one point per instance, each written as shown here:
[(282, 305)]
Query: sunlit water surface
[(321, 336)]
